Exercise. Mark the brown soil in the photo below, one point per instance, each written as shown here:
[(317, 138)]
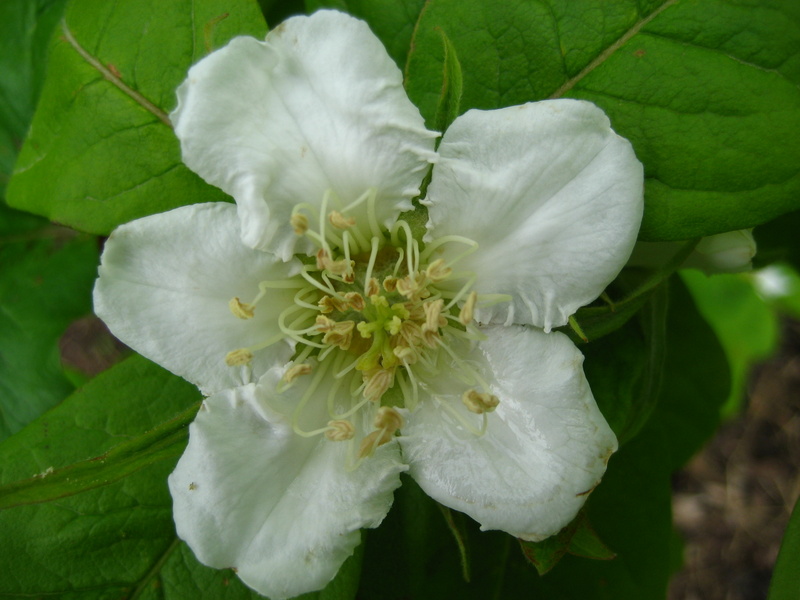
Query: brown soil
[(732, 502)]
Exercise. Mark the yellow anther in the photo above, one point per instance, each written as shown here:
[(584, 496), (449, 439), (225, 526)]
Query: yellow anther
[(373, 288), (405, 353), (479, 402), (323, 258), (390, 284), (327, 304), (299, 223), (240, 309), (433, 315), (388, 418), (467, 311), (355, 301), (438, 271), (324, 324), (340, 431), (236, 358), (378, 381), (296, 371), (340, 335), (387, 422), (372, 441), (339, 221)]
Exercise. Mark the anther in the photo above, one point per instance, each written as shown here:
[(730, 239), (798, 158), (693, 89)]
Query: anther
[(241, 309), (296, 371), (378, 381), (339, 221), (390, 283), (373, 288), (387, 421), (355, 301), (433, 315), (327, 304), (340, 431), (340, 335), (479, 402), (299, 223), (438, 271), (467, 311), (388, 418), (236, 358)]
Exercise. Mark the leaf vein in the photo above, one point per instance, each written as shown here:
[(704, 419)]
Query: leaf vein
[(603, 56), (108, 75)]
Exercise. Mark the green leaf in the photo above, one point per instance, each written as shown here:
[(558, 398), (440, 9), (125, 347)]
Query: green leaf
[(46, 277), (746, 326), (578, 538), (167, 440), (630, 510), (449, 105), (101, 151), (665, 72), (25, 28), (785, 583), (624, 368), (695, 381)]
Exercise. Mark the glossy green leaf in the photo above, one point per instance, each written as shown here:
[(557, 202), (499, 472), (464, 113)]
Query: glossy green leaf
[(46, 278), (25, 28), (707, 91), (101, 150)]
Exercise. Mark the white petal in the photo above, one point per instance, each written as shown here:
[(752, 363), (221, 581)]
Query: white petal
[(282, 509), (545, 448), (164, 287), (552, 195), (319, 105)]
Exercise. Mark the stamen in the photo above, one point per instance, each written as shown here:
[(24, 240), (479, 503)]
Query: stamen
[(378, 382), (388, 418), (467, 311), (371, 264), (339, 221), (437, 271), (433, 318), (299, 223), (464, 423), (240, 309), (431, 246), (237, 358), (340, 431), (295, 371), (478, 402)]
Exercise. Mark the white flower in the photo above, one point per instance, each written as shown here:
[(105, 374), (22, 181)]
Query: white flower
[(339, 349)]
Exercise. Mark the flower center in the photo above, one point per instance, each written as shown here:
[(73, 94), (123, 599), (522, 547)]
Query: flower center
[(378, 313)]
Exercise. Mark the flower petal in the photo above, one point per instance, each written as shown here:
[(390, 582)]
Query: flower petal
[(545, 448), (164, 287), (552, 195), (282, 509), (317, 106)]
